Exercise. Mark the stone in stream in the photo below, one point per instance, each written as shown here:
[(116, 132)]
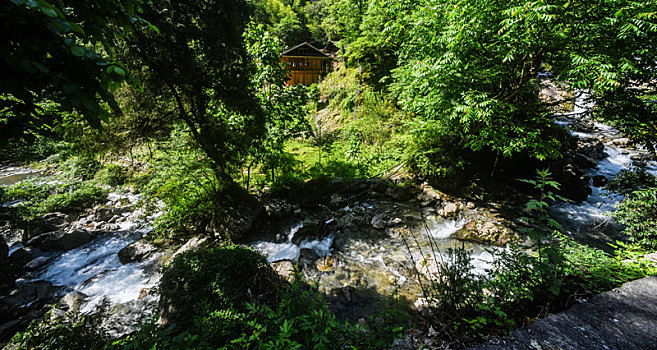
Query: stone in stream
[(46, 223), (284, 268), (599, 180), (136, 251), (592, 148), (449, 209), (485, 230), (20, 257), (60, 240), (72, 301), (36, 263), (378, 221)]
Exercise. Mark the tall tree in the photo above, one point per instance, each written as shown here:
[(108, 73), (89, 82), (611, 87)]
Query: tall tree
[(468, 68), (60, 52), (197, 66)]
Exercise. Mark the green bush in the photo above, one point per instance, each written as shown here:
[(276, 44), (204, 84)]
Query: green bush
[(73, 332), (83, 167), (638, 212), (112, 175), (75, 198)]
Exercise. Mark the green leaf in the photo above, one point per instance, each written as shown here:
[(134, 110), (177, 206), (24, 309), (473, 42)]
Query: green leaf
[(78, 51), (119, 71)]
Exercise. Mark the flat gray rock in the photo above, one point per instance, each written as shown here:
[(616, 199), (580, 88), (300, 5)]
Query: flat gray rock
[(624, 318)]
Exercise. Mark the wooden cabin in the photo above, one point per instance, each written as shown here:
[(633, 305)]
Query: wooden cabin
[(306, 63)]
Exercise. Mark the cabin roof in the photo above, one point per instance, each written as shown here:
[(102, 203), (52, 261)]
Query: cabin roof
[(304, 49)]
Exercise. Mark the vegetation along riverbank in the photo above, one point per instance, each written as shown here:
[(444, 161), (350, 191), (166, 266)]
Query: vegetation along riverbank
[(325, 174)]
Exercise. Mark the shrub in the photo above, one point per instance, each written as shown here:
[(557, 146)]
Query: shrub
[(73, 332), (638, 212), (111, 175), (83, 167), (205, 292), (75, 198)]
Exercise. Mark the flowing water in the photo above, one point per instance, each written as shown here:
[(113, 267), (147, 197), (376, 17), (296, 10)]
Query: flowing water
[(94, 268), (386, 261), (589, 220)]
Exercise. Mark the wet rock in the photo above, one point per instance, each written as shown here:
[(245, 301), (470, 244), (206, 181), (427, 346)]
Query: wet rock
[(36, 263), (46, 223), (574, 182), (110, 227), (284, 268), (485, 230), (72, 301), (194, 243), (61, 240), (106, 213), (402, 344), (307, 257), (449, 209), (584, 161), (378, 221), (600, 180), (324, 263), (310, 230), (395, 222), (136, 251), (244, 211), (428, 196), (621, 141), (592, 148), (400, 193), (20, 257), (278, 209), (4, 251), (9, 328)]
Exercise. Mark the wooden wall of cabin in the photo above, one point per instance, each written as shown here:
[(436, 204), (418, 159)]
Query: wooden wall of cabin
[(305, 70)]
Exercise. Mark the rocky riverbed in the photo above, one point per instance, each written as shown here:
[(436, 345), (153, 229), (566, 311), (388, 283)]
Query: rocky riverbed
[(363, 239)]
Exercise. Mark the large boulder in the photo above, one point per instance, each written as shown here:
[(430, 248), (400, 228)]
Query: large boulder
[(46, 223), (574, 182), (592, 148), (61, 240), (483, 231), (136, 251), (20, 257), (236, 212), (4, 251)]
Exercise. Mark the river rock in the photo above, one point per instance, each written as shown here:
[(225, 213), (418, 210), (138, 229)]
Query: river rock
[(136, 251), (449, 209), (106, 213), (599, 180), (428, 196), (36, 263), (307, 257), (285, 269), (485, 230), (592, 148), (310, 230), (46, 223), (621, 141), (574, 182), (378, 221), (20, 257), (4, 251), (72, 301), (61, 240), (244, 211), (193, 243)]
